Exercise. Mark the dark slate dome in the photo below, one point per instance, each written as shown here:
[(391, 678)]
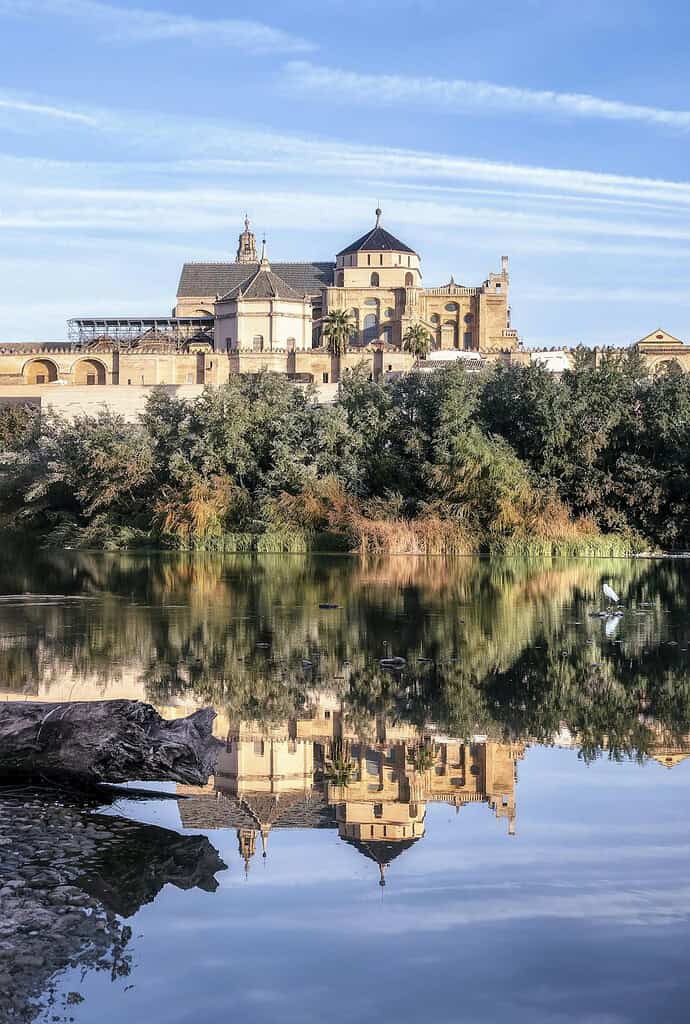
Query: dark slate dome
[(377, 240)]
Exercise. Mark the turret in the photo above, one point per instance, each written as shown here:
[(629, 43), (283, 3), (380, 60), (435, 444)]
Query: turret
[(246, 249)]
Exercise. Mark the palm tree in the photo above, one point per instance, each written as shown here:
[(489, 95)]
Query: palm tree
[(338, 325), (417, 340)]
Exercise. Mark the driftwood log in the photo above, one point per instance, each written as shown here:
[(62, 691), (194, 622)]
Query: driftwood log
[(87, 742)]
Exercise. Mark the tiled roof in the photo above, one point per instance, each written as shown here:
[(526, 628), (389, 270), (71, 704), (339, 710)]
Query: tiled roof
[(377, 240), (264, 285), (291, 811), (204, 279)]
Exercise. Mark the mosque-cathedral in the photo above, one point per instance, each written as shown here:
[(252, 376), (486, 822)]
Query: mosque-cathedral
[(314, 771), (254, 314)]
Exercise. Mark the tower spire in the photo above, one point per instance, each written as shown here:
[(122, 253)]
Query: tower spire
[(246, 249), (378, 215)]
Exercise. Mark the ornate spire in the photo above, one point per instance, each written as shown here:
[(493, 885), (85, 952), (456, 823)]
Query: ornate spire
[(379, 211), (246, 249)]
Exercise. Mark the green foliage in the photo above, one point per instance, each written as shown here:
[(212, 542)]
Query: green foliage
[(417, 340), (338, 326), (514, 460)]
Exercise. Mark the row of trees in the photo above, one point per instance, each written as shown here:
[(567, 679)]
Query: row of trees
[(510, 459)]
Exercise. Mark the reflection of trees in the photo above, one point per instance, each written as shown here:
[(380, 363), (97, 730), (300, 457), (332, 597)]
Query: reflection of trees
[(490, 645)]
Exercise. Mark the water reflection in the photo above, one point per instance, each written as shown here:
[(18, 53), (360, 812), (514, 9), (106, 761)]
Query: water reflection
[(316, 772), (336, 760), (516, 651)]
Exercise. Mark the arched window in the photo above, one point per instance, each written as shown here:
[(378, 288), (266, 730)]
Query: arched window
[(409, 280), (370, 328), (469, 318), (435, 318), (258, 343), (354, 333), (374, 280)]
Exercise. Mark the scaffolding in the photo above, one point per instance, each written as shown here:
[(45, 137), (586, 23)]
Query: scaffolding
[(127, 331)]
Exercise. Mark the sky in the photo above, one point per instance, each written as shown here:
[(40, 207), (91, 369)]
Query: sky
[(133, 137)]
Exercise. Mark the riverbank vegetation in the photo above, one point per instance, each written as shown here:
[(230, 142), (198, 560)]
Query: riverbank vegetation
[(511, 460)]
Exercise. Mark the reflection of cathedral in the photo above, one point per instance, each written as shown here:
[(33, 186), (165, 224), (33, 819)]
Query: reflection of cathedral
[(309, 773)]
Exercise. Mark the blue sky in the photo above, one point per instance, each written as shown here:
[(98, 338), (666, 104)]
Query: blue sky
[(134, 137)]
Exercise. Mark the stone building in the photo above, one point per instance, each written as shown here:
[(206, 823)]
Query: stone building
[(251, 314)]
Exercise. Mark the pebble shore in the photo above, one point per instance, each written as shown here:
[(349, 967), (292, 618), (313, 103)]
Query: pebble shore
[(59, 908)]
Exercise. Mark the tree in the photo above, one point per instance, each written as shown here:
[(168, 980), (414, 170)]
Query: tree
[(338, 325), (417, 340)]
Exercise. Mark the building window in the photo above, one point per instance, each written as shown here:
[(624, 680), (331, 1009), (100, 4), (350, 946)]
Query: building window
[(129, 381), (435, 318), (498, 286), (371, 328), (378, 810), (381, 259), (40, 378), (409, 280), (90, 378), (467, 340), (368, 260), (390, 313), (390, 367), (469, 318), (324, 377), (259, 748), (258, 343), (374, 281), (327, 714), (451, 307), (408, 262)]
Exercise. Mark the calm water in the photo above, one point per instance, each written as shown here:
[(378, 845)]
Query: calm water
[(520, 784)]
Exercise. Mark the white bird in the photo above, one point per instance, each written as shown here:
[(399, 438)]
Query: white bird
[(610, 594)]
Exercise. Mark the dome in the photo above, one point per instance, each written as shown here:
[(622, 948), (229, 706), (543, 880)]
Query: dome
[(377, 240)]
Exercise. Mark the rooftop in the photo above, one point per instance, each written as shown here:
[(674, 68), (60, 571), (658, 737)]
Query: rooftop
[(377, 240)]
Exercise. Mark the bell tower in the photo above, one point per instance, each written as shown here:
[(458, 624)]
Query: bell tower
[(246, 249)]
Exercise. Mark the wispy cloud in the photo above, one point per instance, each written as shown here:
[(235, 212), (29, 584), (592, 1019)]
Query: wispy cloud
[(156, 136), (25, 107), (139, 24), (461, 95)]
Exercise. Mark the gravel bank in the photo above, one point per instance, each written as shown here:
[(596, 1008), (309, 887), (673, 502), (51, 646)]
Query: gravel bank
[(68, 877)]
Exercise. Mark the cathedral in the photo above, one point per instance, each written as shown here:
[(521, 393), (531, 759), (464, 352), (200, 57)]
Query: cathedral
[(253, 314), (261, 306)]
